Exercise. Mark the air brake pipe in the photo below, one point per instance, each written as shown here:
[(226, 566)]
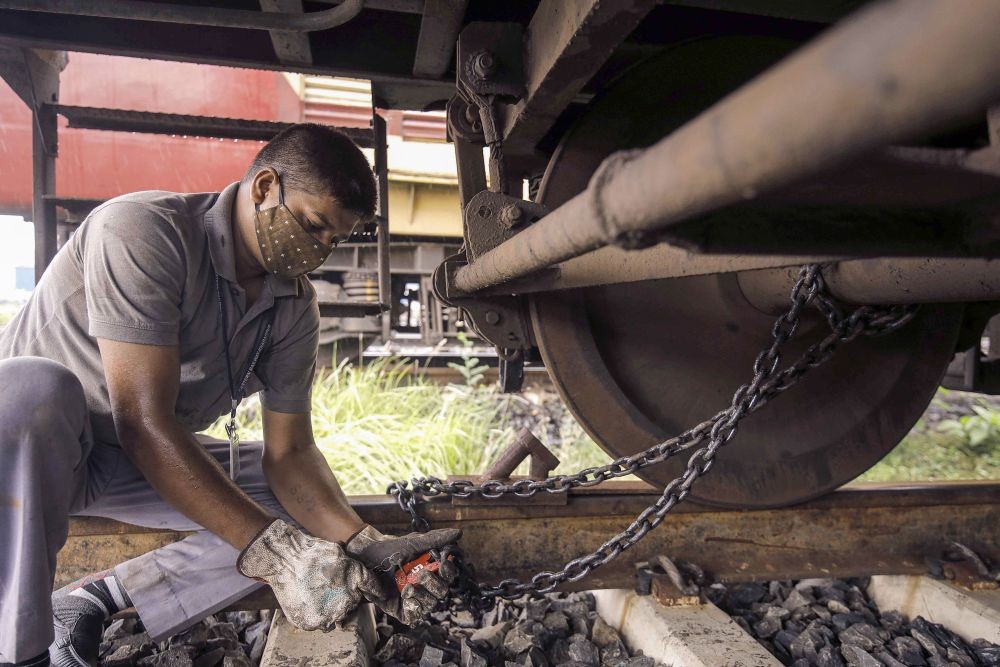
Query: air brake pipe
[(882, 281), (194, 15), (892, 71)]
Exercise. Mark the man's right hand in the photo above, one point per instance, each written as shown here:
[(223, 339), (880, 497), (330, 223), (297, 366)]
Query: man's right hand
[(316, 583)]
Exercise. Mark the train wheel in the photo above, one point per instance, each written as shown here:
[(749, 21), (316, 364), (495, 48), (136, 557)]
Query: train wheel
[(637, 363)]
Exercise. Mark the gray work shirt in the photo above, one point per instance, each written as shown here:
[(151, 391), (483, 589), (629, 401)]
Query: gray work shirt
[(141, 269)]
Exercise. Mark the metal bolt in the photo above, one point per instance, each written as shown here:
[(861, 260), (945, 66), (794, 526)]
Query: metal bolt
[(484, 65), (511, 216), (492, 317)]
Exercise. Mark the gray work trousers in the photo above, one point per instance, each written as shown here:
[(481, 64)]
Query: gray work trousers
[(51, 469)]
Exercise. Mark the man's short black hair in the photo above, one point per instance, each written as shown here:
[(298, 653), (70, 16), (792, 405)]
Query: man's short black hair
[(320, 160)]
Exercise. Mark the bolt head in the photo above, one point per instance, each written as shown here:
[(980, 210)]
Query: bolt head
[(492, 317), (511, 216), (484, 64)]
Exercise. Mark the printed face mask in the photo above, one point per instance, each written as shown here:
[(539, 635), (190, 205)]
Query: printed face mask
[(289, 251)]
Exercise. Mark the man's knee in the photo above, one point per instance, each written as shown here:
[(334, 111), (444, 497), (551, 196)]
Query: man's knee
[(40, 397)]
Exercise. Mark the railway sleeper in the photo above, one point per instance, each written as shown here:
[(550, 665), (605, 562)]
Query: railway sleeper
[(912, 619)]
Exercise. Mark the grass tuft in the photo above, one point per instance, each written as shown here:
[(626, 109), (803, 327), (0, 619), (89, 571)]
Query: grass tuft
[(379, 423)]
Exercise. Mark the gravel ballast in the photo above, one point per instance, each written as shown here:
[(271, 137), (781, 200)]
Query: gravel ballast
[(834, 623)]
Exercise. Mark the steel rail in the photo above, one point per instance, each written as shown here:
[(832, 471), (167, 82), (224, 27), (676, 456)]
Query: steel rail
[(856, 531), (892, 71), (193, 15)]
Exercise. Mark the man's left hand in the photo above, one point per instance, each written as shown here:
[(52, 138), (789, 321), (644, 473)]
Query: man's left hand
[(384, 554)]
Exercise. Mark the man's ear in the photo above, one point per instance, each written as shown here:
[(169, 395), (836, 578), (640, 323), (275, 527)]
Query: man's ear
[(264, 183)]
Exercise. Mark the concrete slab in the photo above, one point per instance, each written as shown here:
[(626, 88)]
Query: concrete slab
[(351, 645), (699, 635), (970, 614)]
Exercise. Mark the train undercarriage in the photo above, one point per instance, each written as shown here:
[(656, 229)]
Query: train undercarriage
[(655, 174)]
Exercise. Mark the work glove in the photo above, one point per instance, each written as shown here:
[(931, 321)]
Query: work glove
[(385, 554), (315, 582)]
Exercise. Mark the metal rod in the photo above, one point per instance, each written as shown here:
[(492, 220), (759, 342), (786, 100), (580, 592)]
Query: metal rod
[(382, 174), (888, 73), (882, 281), (194, 15), (43, 210)]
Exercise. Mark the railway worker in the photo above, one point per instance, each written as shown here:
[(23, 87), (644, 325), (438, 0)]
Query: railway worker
[(140, 334)]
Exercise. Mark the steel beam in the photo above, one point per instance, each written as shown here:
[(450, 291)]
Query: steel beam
[(439, 29), (566, 43), (850, 91), (851, 532), (290, 47), (366, 55), (44, 148), (382, 215), (32, 74), (34, 77), (121, 120), (158, 12)]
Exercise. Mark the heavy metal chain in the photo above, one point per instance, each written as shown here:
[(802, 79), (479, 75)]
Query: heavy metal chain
[(767, 383)]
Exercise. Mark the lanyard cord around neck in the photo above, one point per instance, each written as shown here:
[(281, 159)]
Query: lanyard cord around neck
[(236, 393)]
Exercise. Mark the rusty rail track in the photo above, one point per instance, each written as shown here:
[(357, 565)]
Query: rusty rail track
[(859, 530)]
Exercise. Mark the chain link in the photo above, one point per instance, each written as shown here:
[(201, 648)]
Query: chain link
[(766, 383)]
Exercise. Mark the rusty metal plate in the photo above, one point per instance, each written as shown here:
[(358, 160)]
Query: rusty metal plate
[(861, 531), (641, 362)]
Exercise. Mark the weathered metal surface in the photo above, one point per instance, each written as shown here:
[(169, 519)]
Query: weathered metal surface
[(873, 529), (633, 386), (122, 120), (439, 26), (883, 281), (823, 11), (524, 446), (787, 124), (197, 15), (566, 43), (358, 49), (490, 60), (32, 75), (44, 149), (382, 219), (351, 308), (291, 47)]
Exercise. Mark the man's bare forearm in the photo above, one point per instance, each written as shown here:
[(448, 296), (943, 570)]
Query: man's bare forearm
[(190, 480), (302, 481)]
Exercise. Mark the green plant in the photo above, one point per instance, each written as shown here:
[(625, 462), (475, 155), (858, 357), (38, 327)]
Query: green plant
[(471, 369), (977, 433), (378, 423)]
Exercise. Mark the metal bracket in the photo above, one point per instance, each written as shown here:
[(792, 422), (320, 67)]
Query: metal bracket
[(501, 320), (490, 219), (963, 567), (541, 463), (490, 59), (525, 446), (464, 122), (664, 581)]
